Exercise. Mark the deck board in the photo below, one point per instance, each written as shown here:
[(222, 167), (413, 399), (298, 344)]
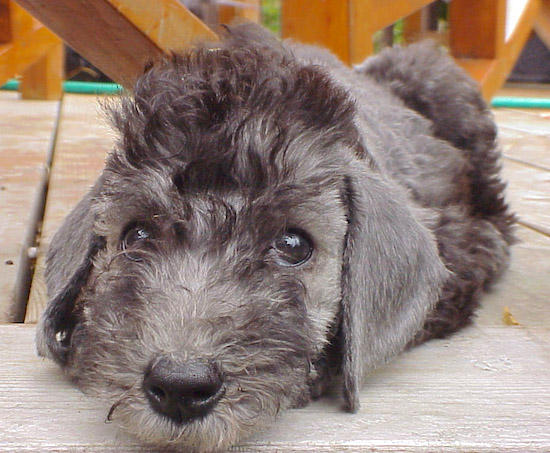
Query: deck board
[(27, 130), (525, 287), (529, 194), (82, 144), (487, 389)]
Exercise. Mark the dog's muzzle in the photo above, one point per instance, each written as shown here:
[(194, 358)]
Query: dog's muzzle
[(184, 391)]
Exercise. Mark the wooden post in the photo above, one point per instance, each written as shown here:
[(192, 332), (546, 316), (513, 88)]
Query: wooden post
[(30, 50), (542, 23), (5, 22), (325, 23), (44, 79), (248, 10), (477, 28)]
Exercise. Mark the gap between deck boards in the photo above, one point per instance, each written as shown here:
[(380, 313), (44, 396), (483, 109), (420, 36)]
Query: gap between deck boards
[(32, 239)]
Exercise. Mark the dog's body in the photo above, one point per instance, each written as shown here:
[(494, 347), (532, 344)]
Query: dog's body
[(271, 219)]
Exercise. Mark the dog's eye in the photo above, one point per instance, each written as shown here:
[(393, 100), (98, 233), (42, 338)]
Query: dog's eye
[(132, 235), (292, 248)]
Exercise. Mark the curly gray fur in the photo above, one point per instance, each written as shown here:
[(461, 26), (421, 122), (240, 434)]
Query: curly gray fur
[(391, 170)]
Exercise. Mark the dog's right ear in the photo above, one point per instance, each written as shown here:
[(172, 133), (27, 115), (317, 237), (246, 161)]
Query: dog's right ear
[(69, 261), (391, 277)]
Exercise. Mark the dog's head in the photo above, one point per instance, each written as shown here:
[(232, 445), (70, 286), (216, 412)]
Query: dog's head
[(238, 232)]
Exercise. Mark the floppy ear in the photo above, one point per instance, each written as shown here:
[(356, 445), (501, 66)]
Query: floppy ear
[(69, 261), (391, 277)]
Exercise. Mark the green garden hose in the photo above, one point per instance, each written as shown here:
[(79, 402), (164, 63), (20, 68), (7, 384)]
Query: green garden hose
[(71, 86)]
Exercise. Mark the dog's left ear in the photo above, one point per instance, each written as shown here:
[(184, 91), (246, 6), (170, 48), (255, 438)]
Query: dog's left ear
[(391, 277), (68, 264)]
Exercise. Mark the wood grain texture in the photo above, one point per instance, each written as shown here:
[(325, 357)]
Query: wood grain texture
[(485, 390), (31, 51), (247, 10), (324, 23), (477, 28), (525, 135), (525, 287), (529, 194), (166, 22), (120, 36), (489, 60), (19, 55), (5, 21), (542, 24), (344, 27), (44, 78), (379, 14), (27, 131), (82, 145)]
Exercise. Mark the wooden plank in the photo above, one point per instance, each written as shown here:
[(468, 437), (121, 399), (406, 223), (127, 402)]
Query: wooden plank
[(5, 22), (525, 287), (32, 51), (414, 25), (542, 23), (525, 138), (120, 36), (524, 135), (379, 15), (21, 22), (82, 144), (320, 23), (166, 22), (491, 73), (19, 55), (27, 131), (484, 390), (44, 79), (523, 122), (529, 194), (247, 10), (477, 28)]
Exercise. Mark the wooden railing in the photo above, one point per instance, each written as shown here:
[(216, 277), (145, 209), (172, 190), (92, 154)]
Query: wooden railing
[(119, 36), (30, 50), (478, 36)]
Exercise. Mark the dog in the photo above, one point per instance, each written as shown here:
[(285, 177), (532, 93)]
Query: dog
[(272, 223)]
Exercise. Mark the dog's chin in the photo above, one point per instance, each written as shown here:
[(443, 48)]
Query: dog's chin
[(211, 433)]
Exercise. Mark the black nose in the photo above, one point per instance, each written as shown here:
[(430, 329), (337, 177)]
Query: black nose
[(183, 391)]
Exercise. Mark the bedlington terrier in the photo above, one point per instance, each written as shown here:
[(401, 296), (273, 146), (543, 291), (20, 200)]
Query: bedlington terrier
[(271, 223)]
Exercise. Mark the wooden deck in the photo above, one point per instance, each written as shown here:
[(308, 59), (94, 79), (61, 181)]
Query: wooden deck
[(486, 389)]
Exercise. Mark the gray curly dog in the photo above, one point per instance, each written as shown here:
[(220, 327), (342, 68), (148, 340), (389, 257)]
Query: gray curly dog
[(269, 224)]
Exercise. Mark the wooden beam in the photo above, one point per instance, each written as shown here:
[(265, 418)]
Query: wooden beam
[(27, 131), (324, 23), (246, 10), (542, 23), (485, 389), (44, 79), (82, 143), (344, 27), (23, 52), (477, 28), (5, 21), (376, 14), (491, 73), (120, 36)]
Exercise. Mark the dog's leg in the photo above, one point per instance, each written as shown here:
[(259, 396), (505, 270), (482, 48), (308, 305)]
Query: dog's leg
[(475, 252), (473, 239)]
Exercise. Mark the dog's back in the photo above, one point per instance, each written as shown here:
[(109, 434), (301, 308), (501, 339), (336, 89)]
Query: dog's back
[(442, 150)]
